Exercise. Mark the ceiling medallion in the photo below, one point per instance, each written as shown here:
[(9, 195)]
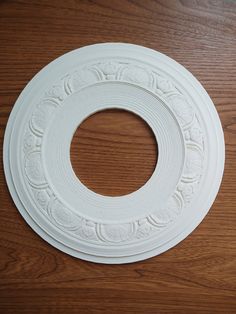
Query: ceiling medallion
[(100, 228)]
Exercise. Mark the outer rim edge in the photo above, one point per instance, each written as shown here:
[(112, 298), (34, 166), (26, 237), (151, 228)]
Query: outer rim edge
[(133, 258)]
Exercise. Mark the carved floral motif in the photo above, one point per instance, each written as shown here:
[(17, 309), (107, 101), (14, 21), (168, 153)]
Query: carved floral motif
[(144, 228), (137, 75), (87, 230), (34, 169), (82, 78), (193, 163), (182, 109), (41, 116), (41, 197), (110, 69), (116, 232)]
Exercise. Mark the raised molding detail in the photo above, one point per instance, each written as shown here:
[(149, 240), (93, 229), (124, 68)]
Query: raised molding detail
[(113, 70), (183, 119)]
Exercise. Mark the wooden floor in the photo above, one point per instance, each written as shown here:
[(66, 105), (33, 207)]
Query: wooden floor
[(199, 274)]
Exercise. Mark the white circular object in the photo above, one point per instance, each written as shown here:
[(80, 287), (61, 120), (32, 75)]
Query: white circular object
[(148, 221)]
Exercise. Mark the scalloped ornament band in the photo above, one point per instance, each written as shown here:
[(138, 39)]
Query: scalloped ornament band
[(148, 221)]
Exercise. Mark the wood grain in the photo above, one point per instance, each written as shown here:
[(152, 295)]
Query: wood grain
[(198, 275), (114, 152)]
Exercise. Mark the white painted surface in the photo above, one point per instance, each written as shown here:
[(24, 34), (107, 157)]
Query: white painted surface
[(148, 221)]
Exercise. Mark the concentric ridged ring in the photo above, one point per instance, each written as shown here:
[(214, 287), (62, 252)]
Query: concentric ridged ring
[(120, 229)]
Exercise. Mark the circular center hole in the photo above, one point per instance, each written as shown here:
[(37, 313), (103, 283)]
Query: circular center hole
[(114, 152)]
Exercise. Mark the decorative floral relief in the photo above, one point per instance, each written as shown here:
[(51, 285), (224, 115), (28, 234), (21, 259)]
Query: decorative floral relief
[(42, 198), (110, 69), (164, 86), (78, 226), (87, 230), (173, 208), (79, 79), (56, 92), (187, 190), (41, 116), (193, 163), (144, 228), (116, 232), (136, 75), (30, 142), (34, 169), (62, 215), (194, 134), (182, 109)]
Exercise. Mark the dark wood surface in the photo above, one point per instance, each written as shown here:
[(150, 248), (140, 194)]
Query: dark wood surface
[(198, 275), (114, 152)]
